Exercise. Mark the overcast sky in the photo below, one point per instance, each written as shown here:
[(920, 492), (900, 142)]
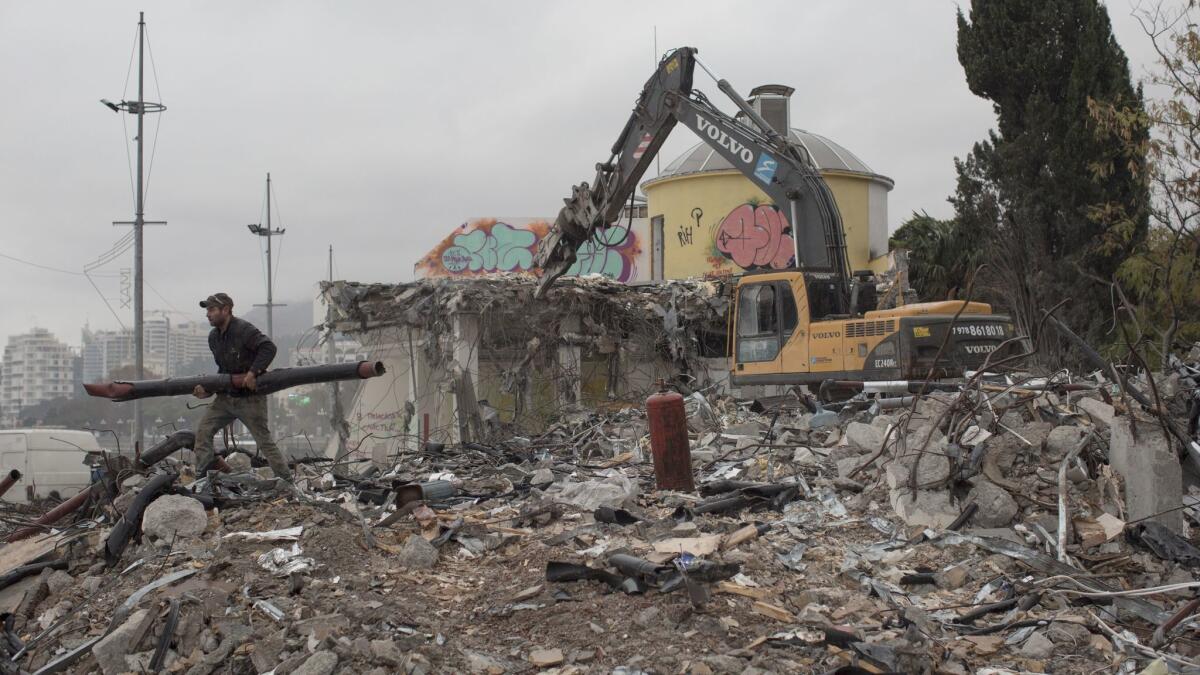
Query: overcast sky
[(386, 124)]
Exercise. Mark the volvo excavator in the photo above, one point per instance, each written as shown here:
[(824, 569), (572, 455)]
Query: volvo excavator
[(812, 323)]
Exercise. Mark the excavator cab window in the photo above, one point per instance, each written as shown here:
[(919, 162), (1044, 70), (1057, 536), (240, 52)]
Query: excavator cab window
[(787, 308), (758, 323), (823, 299)]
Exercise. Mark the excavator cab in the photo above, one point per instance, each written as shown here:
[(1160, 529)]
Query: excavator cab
[(789, 328)]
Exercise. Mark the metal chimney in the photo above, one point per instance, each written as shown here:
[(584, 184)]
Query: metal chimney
[(773, 102)]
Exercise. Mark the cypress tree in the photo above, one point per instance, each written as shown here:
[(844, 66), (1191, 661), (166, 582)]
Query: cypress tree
[(1057, 205)]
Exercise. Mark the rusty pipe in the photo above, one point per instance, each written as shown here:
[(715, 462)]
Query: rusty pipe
[(269, 382), (9, 480), (54, 515)]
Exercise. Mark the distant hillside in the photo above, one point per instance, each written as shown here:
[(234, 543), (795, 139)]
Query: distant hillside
[(291, 323), (294, 319)]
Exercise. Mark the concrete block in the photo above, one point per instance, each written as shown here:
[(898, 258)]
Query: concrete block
[(1102, 414), (1062, 440), (868, 438), (926, 509), (110, 652), (1153, 477), (997, 508), (173, 517), (933, 467)]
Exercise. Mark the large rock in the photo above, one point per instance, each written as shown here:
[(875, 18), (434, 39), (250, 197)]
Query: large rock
[(928, 508), (997, 508), (864, 436), (386, 652), (417, 553), (1153, 477), (59, 581), (849, 465), (920, 434), (933, 467), (1062, 440), (321, 663), (1038, 646), (239, 462), (1102, 414), (110, 651), (173, 517)]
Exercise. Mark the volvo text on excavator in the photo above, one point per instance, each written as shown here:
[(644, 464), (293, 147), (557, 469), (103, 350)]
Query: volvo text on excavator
[(808, 324)]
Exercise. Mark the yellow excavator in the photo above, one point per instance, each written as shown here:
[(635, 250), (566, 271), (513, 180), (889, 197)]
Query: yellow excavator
[(813, 323)]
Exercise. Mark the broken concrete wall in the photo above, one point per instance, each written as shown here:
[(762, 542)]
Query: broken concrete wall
[(590, 342)]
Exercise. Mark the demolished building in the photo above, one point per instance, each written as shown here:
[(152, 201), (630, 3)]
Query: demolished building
[(467, 353)]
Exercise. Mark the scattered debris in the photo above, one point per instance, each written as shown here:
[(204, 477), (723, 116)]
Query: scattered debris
[(995, 524)]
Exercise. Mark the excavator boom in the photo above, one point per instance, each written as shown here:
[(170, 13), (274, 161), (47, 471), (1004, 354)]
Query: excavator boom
[(780, 168)]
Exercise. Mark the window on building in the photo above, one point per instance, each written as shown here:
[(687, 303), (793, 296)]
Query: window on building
[(656, 247)]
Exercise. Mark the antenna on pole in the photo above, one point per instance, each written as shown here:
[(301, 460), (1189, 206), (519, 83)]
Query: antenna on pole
[(139, 107), (654, 65), (267, 232), (337, 415)]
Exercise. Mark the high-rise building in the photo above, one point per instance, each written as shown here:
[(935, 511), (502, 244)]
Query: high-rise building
[(189, 350), (157, 337), (36, 368), (107, 350), (104, 351)]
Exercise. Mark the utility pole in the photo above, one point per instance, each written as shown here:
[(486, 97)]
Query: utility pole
[(139, 108), (338, 416), (268, 233)]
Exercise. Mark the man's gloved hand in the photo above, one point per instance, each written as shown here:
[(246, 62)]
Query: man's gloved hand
[(199, 392), (249, 382)]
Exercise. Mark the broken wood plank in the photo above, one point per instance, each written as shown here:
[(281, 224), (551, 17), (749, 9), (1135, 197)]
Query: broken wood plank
[(28, 550), (774, 611), (744, 591)]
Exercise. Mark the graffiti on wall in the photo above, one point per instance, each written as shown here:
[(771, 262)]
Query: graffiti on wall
[(756, 236), (502, 248), (487, 246), (611, 252)]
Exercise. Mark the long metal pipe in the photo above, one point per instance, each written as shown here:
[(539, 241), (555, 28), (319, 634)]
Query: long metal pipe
[(9, 480), (53, 515), (270, 382)]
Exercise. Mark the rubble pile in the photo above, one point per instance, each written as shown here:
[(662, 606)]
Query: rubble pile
[(681, 322), (999, 524)]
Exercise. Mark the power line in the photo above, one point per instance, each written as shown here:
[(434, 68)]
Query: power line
[(48, 267), (157, 121), (164, 299)]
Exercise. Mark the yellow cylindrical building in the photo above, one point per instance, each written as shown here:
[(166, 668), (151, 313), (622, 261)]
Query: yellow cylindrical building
[(707, 218)]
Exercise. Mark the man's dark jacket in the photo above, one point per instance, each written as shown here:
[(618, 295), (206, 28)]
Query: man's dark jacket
[(241, 348)]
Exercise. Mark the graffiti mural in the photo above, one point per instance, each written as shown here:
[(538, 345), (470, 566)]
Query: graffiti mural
[(502, 249), (487, 246), (756, 236), (611, 252)]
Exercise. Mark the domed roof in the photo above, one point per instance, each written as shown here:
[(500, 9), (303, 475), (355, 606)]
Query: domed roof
[(829, 156)]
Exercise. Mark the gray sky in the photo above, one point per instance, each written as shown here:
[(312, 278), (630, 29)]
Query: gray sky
[(386, 124)]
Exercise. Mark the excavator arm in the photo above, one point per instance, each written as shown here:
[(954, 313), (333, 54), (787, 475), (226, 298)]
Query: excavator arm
[(781, 169)]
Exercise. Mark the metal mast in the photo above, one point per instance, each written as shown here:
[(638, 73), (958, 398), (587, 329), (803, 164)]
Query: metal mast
[(338, 416), (139, 328), (139, 108), (268, 233)]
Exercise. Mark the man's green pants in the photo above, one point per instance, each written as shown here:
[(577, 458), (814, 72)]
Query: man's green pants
[(249, 410)]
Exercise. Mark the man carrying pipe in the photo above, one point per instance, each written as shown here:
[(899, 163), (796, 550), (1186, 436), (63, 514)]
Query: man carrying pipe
[(237, 347)]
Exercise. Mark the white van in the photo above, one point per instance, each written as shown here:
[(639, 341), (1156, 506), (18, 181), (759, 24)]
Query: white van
[(52, 462)]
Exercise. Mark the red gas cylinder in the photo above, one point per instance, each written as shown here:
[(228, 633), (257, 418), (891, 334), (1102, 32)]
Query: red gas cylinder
[(669, 441)]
